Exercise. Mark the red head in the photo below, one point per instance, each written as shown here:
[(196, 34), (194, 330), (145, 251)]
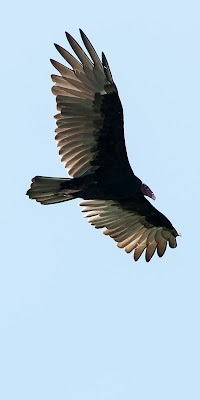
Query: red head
[(147, 191)]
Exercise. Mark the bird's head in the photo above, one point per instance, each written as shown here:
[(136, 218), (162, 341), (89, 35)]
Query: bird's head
[(146, 191)]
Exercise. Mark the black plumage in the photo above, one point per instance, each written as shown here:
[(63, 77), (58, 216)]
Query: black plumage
[(90, 137)]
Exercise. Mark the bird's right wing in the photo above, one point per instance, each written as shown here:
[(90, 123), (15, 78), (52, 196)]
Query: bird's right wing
[(133, 223), (89, 131)]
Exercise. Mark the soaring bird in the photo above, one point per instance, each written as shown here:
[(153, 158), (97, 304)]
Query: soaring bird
[(90, 137)]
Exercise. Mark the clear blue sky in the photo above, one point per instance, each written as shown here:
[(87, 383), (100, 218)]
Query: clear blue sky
[(79, 318)]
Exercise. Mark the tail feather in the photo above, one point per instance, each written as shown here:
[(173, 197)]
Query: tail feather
[(47, 190)]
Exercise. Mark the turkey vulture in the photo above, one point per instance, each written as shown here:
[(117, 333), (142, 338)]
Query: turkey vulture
[(90, 136)]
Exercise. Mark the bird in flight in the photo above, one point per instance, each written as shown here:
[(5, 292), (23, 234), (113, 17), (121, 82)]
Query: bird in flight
[(90, 137)]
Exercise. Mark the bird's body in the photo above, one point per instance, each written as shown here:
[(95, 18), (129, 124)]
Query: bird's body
[(109, 186), (90, 135)]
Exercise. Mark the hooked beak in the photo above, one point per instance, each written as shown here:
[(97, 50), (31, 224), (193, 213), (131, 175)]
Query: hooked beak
[(147, 191)]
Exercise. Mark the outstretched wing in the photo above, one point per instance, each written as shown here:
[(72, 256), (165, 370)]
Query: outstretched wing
[(133, 224), (89, 130)]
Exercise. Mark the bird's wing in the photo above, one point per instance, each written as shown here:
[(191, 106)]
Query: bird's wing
[(89, 130), (133, 223)]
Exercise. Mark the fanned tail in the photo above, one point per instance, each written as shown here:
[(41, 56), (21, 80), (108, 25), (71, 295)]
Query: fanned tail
[(47, 190)]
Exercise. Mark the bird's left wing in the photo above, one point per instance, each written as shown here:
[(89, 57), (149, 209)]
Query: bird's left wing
[(89, 131), (133, 223)]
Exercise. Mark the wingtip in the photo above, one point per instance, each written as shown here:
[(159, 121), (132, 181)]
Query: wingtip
[(81, 33), (68, 36), (52, 61), (104, 60)]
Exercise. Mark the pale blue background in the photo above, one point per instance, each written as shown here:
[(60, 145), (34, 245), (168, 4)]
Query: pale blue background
[(79, 318)]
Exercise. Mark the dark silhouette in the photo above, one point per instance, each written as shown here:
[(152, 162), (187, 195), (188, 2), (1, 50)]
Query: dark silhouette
[(90, 136)]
